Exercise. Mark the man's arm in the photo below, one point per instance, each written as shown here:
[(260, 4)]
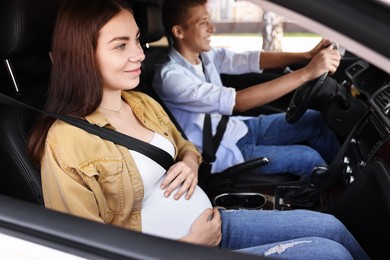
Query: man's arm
[(327, 60), (272, 60)]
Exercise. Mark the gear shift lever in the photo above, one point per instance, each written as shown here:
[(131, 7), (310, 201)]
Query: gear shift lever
[(318, 175)]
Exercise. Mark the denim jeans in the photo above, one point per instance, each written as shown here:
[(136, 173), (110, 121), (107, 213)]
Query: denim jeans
[(291, 234), (291, 148)]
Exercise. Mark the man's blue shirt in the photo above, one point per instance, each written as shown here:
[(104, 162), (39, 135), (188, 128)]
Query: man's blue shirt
[(189, 97)]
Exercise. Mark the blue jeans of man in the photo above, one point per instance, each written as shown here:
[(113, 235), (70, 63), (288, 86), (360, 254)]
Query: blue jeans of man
[(290, 148), (291, 234)]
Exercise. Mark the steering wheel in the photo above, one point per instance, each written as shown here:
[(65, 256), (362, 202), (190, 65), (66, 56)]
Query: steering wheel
[(303, 97)]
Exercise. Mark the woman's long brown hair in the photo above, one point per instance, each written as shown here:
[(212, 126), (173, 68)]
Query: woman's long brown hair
[(75, 83)]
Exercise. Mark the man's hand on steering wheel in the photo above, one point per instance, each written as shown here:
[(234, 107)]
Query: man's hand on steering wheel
[(325, 61)]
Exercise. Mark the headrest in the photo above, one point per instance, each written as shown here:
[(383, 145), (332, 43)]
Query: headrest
[(149, 19), (26, 26)]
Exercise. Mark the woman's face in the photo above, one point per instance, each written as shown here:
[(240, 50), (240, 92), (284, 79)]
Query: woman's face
[(119, 52)]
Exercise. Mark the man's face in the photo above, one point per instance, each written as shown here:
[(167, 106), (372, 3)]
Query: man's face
[(197, 30)]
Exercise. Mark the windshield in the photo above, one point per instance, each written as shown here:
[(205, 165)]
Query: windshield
[(386, 2)]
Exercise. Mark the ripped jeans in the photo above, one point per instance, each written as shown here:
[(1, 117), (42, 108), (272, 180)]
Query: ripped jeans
[(291, 234)]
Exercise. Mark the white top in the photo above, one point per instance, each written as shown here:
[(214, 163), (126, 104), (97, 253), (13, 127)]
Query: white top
[(166, 217), (199, 70)]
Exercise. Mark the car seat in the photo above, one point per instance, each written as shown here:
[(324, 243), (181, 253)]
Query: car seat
[(25, 29)]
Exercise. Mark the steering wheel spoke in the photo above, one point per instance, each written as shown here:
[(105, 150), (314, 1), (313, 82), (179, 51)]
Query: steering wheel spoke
[(303, 97)]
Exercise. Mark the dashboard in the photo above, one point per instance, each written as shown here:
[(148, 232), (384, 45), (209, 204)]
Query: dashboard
[(371, 133), (362, 145), (366, 78), (362, 166)]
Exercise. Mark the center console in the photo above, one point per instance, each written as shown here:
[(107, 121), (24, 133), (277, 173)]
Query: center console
[(365, 140)]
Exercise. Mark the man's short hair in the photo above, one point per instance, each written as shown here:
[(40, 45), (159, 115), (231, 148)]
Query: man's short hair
[(175, 12)]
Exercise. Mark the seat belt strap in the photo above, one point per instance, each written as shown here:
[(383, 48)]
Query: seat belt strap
[(158, 155), (220, 132), (210, 142), (207, 153)]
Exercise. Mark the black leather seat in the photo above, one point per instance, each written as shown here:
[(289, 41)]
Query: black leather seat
[(25, 33)]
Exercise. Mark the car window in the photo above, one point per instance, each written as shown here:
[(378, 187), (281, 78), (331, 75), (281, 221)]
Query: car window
[(239, 26)]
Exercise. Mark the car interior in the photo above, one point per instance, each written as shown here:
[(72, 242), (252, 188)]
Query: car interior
[(237, 178), (355, 104)]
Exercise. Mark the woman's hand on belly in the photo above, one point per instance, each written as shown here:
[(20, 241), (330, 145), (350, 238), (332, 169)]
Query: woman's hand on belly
[(206, 229), (180, 174)]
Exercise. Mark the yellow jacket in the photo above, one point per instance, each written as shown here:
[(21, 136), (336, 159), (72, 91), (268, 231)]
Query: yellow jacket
[(96, 179)]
